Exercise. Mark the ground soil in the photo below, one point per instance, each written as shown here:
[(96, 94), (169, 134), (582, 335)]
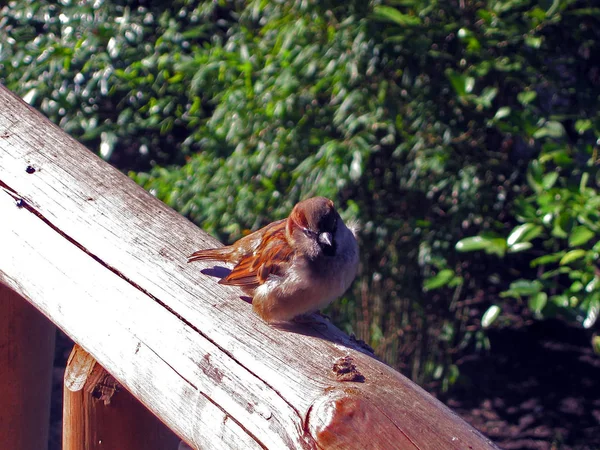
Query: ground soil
[(538, 388)]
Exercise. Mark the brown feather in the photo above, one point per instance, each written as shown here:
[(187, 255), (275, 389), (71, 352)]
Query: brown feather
[(272, 253), (213, 254)]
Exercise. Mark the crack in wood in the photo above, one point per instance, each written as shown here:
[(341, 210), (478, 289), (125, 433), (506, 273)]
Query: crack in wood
[(237, 422), (173, 368), (208, 398), (10, 191)]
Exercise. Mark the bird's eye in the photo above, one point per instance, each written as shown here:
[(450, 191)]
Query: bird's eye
[(307, 232)]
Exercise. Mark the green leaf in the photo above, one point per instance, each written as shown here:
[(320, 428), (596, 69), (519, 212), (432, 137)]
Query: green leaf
[(537, 13), (496, 247), (576, 286), (520, 247), (439, 280), (522, 288), (585, 176), (393, 15), (502, 112), (549, 180), (526, 97), (551, 129), (548, 274), (523, 233), (537, 302), (30, 96), (487, 96), (571, 256), (471, 244), (546, 259), (490, 316), (453, 373), (553, 8), (562, 301), (579, 236), (491, 245), (560, 223), (596, 344), (462, 84), (592, 312), (593, 284), (582, 125), (560, 157), (533, 41)]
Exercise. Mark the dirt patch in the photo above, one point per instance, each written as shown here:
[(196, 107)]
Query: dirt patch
[(538, 389)]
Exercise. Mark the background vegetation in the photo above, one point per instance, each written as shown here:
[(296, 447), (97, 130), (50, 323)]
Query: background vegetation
[(462, 134)]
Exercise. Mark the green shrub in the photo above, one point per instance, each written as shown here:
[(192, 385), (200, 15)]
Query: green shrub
[(433, 123)]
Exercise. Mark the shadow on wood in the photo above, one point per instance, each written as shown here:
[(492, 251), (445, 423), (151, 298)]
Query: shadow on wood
[(26, 356)]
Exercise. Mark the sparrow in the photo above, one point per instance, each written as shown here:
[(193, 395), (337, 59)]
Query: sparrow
[(294, 266)]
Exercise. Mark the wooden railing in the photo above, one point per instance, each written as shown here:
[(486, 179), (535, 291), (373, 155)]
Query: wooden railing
[(106, 262)]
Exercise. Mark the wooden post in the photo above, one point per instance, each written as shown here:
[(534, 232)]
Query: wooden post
[(26, 356), (98, 413)]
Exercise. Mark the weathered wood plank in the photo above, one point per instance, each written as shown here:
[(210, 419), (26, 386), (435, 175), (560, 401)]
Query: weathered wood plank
[(133, 335), (107, 263)]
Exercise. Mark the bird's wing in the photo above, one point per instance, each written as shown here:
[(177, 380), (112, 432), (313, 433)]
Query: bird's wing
[(271, 257)]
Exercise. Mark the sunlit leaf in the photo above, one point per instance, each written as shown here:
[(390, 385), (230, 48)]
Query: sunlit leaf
[(520, 247), (551, 128), (502, 112), (533, 41), (522, 288), (579, 236), (593, 284), (526, 97), (537, 302), (571, 256), (592, 313), (523, 233), (582, 125), (462, 84), (439, 280), (547, 259), (549, 180), (393, 15), (490, 316), (472, 244), (491, 245)]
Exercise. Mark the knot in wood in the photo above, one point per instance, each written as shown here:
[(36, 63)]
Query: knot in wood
[(345, 370), (347, 419)]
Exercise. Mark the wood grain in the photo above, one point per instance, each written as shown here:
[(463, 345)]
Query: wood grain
[(107, 263)]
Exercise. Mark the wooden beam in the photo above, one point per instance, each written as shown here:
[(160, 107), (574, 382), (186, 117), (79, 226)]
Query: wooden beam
[(107, 263), (26, 359)]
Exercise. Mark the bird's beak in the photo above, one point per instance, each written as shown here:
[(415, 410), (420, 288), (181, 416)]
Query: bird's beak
[(326, 239)]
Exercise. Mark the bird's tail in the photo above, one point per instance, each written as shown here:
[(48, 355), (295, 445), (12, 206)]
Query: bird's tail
[(211, 254)]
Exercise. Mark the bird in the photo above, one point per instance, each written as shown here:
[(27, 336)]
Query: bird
[(295, 266)]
